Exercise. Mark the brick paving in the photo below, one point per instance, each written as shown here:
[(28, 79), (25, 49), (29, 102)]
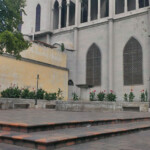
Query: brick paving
[(42, 116), (136, 141)]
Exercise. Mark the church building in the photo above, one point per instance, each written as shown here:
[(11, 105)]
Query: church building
[(107, 42)]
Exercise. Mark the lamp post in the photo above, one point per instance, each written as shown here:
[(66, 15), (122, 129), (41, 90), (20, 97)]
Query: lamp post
[(37, 84)]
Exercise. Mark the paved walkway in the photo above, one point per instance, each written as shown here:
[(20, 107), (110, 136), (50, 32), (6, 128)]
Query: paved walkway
[(42, 116), (136, 141)]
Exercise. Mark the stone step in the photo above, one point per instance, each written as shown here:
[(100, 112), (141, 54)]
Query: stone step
[(26, 128), (49, 140)]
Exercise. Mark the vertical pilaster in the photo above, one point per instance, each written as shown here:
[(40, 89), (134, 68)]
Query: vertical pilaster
[(89, 10), (125, 6), (99, 9), (59, 24), (110, 47), (68, 6), (137, 4)]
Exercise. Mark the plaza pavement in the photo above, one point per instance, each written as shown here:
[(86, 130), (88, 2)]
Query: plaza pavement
[(42, 116), (134, 141)]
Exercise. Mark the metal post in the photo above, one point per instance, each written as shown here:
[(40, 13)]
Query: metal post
[(37, 84)]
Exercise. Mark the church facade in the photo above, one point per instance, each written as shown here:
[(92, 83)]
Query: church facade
[(107, 41)]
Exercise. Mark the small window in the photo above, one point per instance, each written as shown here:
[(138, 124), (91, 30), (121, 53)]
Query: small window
[(143, 3), (56, 15), (70, 83), (94, 9), (119, 6), (131, 5), (38, 18), (84, 11), (64, 13), (104, 8), (20, 25), (72, 10)]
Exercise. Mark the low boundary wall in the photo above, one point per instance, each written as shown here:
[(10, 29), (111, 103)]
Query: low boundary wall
[(9, 103), (99, 106)]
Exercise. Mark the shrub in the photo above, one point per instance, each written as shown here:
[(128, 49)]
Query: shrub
[(50, 96), (11, 92), (111, 96), (92, 95), (60, 94), (40, 94), (75, 96), (126, 97), (101, 96), (25, 93), (131, 96), (32, 95)]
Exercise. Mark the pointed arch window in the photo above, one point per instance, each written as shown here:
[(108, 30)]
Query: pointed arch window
[(93, 66), (56, 15), (133, 63), (38, 18)]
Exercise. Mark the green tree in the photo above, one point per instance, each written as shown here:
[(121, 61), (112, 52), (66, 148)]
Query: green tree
[(11, 40)]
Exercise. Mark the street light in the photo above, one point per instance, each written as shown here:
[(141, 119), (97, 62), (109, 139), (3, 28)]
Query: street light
[(37, 84)]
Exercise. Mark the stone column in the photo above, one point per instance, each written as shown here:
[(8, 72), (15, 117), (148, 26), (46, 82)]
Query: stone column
[(68, 7), (125, 6), (89, 10), (110, 47), (59, 24), (137, 4), (99, 9)]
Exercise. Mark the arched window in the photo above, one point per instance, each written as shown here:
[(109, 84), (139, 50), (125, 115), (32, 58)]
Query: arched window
[(133, 63), (63, 13), (56, 15), (20, 25), (93, 66), (38, 18)]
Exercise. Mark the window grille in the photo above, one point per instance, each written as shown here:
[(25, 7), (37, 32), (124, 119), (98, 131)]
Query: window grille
[(93, 68), (133, 61)]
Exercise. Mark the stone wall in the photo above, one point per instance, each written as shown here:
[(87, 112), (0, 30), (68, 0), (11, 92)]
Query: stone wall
[(98, 106)]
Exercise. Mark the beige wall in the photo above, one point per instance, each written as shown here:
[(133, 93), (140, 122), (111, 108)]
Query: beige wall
[(24, 73), (46, 55)]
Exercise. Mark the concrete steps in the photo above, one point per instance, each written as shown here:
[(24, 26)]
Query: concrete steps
[(49, 140), (26, 128)]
